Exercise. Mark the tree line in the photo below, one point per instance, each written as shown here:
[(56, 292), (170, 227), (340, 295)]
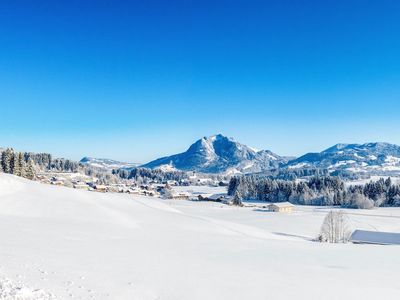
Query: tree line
[(145, 175), (317, 190), (25, 164), (17, 163)]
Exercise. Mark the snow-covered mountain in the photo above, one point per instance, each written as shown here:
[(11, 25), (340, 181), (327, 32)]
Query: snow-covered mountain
[(104, 163), (358, 158), (220, 154)]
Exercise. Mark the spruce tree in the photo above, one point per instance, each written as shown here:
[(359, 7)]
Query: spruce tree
[(21, 163), (2, 161), (30, 170), (17, 165), (12, 161), (6, 158), (237, 199)]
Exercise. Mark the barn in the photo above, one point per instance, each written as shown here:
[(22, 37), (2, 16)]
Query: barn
[(281, 207), (375, 237)]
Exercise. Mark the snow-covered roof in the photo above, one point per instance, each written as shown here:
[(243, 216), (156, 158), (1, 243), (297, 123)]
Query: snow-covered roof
[(282, 204), (181, 194), (217, 196), (100, 186), (375, 237)]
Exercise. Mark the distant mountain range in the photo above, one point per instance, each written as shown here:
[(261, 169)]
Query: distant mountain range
[(104, 163), (379, 158), (219, 154)]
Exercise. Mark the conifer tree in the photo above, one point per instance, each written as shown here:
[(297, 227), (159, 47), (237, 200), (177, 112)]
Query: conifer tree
[(21, 163), (6, 158), (237, 199), (16, 164), (30, 170)]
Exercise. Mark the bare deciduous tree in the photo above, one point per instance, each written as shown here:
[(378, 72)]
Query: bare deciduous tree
[(335, 228)]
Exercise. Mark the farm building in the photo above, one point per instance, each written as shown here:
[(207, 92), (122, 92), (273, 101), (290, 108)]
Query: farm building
[(180, 196), (281, 207), (133, 191), (375, 237), (81, 186), (58, 182), (101, 188), (224, 198)]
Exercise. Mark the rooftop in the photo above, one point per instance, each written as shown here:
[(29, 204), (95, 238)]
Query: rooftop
[(283, 204), (375, 237)]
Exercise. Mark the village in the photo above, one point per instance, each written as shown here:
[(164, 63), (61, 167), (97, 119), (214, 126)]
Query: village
[(153, 188), (193, 189)]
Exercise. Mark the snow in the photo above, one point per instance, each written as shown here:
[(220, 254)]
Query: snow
[(272, 157), (253, 149), (298, 166), (200, 189), (167, 168), (9, 290), (105, 163), (342, 163), (80, 245), (392, 159)]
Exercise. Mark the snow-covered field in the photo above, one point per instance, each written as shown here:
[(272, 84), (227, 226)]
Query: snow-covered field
[(200, 189), (81, 245)]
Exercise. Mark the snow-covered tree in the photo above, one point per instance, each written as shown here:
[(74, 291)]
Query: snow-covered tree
[(335, 228), (237, 199), (6, 160), (17, 164), (30, 172)]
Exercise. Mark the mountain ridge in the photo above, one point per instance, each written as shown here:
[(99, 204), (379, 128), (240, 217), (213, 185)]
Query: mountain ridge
[(372, 157), (220, 154), (106, 163)]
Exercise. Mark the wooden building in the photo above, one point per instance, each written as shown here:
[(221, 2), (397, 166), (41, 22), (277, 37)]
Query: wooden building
[(286, 207)]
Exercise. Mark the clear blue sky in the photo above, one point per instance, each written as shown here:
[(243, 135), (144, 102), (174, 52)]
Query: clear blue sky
[(135, 80)]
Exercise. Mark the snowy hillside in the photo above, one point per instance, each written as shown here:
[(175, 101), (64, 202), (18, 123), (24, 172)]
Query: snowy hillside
[(220, 154), (105, 163), (81, 245), (371, 158)]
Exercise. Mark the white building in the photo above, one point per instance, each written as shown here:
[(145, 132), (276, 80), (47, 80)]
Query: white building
[(375, 237)]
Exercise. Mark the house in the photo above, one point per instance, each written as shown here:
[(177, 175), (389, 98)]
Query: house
[(224, 198), (41, 177), (180, 196), (375, 237), (45, 181), (133, 191), (281, 207), (100, 188), (58, 182), (81, 186), (172, 182), (204, 197)]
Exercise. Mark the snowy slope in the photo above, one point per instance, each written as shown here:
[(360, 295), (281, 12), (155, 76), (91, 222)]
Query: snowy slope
[(105, 163), (82, 245), (220, 154), (372, 158)]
